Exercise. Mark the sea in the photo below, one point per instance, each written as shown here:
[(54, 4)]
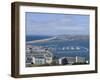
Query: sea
[(63, 48)]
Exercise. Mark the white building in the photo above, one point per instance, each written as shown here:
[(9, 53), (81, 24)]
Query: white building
[(80, 59), (71, 60), (38, 60), (44, 57), (48, 57), (38, 54)]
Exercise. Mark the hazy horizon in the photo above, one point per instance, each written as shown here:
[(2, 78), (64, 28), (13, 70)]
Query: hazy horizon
[(56, 35)]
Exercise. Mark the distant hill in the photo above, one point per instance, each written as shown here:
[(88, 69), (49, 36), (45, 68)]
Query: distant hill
[(61, 38), (72, 37)]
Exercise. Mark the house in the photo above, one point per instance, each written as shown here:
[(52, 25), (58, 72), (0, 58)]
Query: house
[(71, 60), (38, 60), (80, 59)]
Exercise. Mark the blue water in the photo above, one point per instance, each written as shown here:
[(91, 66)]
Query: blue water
[(35, 37), (58, 45)]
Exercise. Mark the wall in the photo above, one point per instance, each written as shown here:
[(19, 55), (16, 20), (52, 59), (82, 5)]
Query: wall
[(5, 40)]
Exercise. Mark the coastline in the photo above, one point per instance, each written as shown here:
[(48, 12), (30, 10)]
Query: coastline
[(42, 40)]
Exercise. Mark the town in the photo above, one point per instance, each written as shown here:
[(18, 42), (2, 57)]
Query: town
[(43, 56)]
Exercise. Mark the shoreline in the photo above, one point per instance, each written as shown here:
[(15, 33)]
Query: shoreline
[(42, 40)]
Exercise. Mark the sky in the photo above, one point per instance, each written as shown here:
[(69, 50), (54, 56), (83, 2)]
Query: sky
[(56, 24)]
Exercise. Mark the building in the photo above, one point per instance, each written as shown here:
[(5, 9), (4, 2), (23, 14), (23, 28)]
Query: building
[(28, 49), (38, 55), (49, 57), (63, 61), (38, 60), (71, 60), (80, 59), (44, 57)]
